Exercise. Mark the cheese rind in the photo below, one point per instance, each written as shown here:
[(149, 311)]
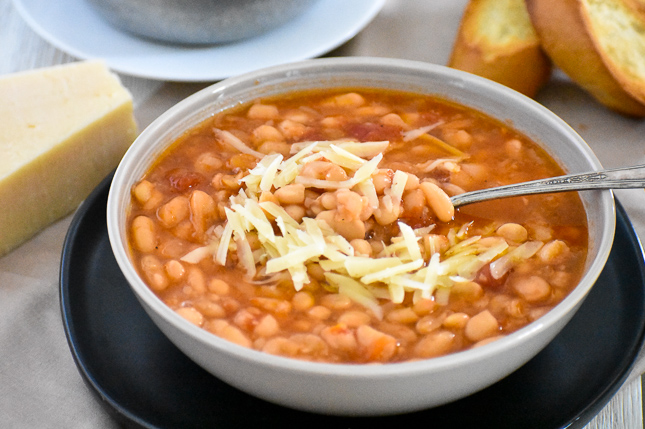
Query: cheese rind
[(63, 130)]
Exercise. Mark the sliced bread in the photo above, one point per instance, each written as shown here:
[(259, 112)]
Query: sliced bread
[(600, 44), (496, 40), (637, 6)]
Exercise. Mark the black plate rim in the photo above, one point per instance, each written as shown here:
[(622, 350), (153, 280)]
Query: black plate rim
[(110, 404)]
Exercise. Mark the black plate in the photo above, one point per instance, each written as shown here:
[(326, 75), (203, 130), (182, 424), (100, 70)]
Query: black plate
[(144, 381)]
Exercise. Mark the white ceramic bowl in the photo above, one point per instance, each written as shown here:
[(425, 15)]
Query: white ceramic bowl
[(199, 21), (364, 389)]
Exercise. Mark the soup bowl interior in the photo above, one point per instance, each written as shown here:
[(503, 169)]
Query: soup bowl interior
[(350, 389)]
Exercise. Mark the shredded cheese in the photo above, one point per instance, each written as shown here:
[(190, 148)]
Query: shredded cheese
[(233, 141), (411, 241), (289, 245), (195, 256), (360, 149), (418, 132), (269, 174), (502, 265)]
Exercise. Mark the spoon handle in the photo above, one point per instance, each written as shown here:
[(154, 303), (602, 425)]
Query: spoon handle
[(615, 178)]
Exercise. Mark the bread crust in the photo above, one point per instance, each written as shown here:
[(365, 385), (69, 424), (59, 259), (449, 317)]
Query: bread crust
[(637, 6), (566, 35), (520, 64)]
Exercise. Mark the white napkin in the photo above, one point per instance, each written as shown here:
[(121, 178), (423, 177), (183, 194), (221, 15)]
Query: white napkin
[(39, 383)]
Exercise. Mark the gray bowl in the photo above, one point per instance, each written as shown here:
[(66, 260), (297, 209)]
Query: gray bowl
[(199, 21), (347, 389)]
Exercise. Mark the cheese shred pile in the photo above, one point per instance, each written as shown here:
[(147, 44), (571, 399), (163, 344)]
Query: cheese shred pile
[(289, 246)]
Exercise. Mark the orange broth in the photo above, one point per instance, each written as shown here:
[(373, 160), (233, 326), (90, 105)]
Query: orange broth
[(332, 307)]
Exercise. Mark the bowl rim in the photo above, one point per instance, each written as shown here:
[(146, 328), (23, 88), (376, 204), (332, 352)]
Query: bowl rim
[(197, 104)]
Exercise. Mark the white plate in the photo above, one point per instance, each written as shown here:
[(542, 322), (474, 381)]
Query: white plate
[(74, 27)]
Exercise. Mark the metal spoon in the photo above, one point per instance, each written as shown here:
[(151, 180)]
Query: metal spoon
[(615, 178)]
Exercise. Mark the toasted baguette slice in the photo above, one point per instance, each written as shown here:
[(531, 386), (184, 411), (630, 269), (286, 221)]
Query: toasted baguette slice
[(496, 40), (638, 6), (599, 44)]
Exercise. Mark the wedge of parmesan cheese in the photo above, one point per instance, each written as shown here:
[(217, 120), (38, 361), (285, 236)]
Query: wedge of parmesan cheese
[(64, 128)]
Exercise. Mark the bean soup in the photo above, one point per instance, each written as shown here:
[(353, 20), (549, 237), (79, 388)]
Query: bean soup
[(317, 225)]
